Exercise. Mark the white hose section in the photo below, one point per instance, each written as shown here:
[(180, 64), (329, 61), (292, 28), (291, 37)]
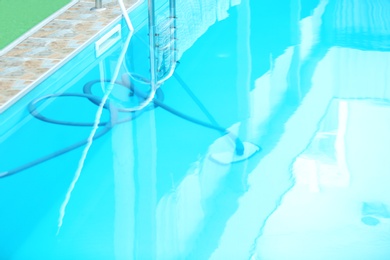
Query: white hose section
[(97, 120), (154, 87), (126, 15)]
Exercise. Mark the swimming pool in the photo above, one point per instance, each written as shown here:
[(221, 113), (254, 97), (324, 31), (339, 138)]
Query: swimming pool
[(306, 81)]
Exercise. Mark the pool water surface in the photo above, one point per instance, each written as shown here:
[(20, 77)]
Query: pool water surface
[(306, 82)]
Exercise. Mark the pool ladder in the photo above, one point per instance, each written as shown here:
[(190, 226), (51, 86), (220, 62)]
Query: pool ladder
[(162, 41)]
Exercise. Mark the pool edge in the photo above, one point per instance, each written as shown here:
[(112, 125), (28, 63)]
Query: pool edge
[(15, 98)]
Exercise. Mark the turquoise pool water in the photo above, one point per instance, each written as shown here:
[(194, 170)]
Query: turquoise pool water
[(305, 81)]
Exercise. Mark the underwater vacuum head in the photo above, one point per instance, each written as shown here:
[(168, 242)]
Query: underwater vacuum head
[(239, 151), (231, 156)]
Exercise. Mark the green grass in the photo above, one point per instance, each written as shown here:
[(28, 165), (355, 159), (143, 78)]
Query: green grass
[(19, 16)]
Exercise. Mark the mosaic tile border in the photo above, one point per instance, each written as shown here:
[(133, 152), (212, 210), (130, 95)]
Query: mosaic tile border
[(27, 62)]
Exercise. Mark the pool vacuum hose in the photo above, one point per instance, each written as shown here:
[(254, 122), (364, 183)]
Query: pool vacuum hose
[(243, 150)]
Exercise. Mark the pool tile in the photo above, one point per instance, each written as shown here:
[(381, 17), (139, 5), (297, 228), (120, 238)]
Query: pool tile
[(5, 96), (12, 85), (24, 68), (9, 88), (59, 29), (43, 48)]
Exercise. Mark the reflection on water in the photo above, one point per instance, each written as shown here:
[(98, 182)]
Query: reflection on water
[(307, 80), (340, 177)]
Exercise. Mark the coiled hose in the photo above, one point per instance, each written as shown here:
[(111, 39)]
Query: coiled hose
[(158, 101)]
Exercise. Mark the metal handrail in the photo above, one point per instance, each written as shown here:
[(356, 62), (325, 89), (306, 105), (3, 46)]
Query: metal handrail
[(172, 15), (155, 82), (152, 42), (98, 6)]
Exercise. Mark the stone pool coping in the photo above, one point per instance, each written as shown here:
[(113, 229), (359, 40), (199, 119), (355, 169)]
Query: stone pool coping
[(23, 66)]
